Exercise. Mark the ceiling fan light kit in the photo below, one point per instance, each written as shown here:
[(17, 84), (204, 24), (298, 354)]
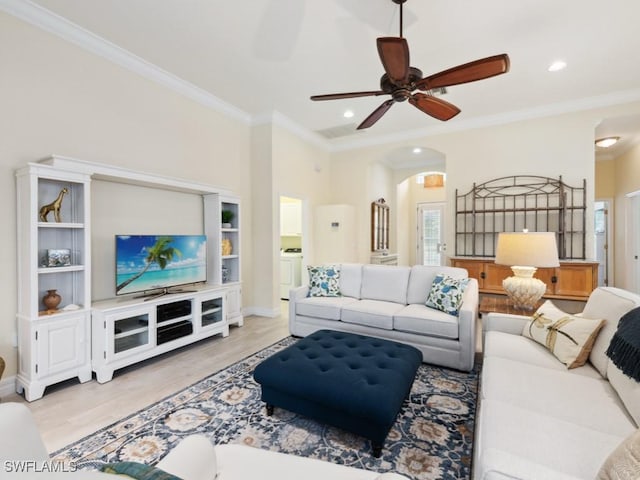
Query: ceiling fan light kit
[(404, 82)]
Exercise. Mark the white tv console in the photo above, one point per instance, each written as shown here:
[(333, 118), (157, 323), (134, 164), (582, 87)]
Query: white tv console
[(82, 335), (128, 330)]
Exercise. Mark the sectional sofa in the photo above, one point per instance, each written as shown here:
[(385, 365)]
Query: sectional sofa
[(539, 420), (390, 302)]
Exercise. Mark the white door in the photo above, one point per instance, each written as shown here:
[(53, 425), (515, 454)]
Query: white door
[(603, 244), (431, 246), (633, 242), (61, 345)]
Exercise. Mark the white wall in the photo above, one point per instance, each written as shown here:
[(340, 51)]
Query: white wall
[(627, 180), (358, 178), (282, 165), (132, 210), (335, 228), (57, 98), (301, 170), (549, 146)]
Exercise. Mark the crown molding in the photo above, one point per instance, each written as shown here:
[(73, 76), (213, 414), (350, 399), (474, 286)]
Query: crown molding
[(63, 28), (46, 20), (571, 106), (281, 120)]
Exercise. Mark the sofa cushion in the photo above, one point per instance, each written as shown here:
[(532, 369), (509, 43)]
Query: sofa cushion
[(589, 402), (372, 313), (426, 321), (446, 293), (568, 337), (351, 279), (624, 461), (566, 449), (324, 281), (628, 390), (525, 350), (385, 283), (329, 308), (610, 304), (421, 278)]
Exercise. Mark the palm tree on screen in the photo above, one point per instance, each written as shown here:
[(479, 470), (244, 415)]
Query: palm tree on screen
[(160, 253)]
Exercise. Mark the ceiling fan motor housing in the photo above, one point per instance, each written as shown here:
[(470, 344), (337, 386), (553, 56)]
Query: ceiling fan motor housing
[(387, 86)]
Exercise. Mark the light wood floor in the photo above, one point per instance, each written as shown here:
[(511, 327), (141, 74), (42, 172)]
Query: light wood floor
[(70, 411)]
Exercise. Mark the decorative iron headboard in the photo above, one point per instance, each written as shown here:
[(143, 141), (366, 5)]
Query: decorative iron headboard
[(510, 204)]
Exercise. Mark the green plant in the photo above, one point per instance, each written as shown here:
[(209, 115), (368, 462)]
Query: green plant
[(227, 216)]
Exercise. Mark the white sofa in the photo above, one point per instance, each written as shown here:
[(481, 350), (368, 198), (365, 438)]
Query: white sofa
[(389, 302), (538, 420), (23, 455)]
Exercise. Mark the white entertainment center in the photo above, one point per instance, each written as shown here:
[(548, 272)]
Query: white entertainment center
[(81, 336)]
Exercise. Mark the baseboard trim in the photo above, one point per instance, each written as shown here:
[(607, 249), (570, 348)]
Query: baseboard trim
[(261, 312), (7, 386)]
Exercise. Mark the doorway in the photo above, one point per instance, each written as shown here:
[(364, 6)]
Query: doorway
[(290, 245), (431, 228), (603, 242), (632, 255)]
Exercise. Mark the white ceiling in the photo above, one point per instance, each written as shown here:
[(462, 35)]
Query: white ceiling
[(271, 55)]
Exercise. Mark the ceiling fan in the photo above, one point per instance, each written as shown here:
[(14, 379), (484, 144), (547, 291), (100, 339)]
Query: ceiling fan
[(404, 82)]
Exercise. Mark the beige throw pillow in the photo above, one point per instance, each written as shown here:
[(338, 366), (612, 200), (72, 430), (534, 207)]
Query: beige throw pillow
[(624, 462), (568, 337)]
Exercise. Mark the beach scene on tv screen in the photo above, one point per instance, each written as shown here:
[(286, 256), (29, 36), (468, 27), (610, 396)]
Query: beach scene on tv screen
[(151, 262)]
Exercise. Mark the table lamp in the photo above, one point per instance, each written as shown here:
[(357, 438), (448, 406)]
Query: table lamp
[(525, 252)]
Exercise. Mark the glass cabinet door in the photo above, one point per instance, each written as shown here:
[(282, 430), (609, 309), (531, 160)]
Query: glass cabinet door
[(130, 333)]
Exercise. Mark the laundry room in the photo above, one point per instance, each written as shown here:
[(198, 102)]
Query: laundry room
[(290, 245)]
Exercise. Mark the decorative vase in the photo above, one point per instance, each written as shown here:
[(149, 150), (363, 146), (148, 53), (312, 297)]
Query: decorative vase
[(51, 300), (226, 225)]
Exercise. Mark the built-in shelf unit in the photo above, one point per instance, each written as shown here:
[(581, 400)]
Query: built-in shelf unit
[(54, 253)]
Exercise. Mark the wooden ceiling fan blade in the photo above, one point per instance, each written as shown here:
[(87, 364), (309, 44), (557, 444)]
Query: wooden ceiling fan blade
[(338, 96), (394, 55), (469, 72), (376, 114), (433, 106)]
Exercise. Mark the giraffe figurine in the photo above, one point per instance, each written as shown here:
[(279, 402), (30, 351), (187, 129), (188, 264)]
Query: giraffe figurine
[(53, 207)]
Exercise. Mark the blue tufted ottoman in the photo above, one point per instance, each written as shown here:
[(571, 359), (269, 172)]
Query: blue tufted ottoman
[(350, 381)]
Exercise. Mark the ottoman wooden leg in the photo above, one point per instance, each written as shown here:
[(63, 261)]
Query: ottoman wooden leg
[(377, 449), (269, 409)]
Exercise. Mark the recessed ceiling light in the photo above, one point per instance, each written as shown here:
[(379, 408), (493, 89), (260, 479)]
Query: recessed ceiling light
[(607, 142), (348, 114), (417, 150), (557, 66)]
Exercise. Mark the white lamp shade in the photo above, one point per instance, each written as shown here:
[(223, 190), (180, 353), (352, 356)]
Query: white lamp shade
[(534, 249)]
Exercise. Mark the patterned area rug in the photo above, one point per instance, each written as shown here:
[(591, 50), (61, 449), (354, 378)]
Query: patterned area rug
[(431, 439)]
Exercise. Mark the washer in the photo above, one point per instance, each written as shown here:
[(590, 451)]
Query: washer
[(290, 271)]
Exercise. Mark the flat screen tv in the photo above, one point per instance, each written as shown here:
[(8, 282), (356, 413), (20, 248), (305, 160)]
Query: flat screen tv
[(152, 263)]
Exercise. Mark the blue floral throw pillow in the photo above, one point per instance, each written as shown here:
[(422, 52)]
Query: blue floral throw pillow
[(446, 293), (324, 281)]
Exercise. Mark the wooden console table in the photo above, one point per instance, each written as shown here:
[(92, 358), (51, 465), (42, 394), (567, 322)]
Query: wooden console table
[(572, 280)]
